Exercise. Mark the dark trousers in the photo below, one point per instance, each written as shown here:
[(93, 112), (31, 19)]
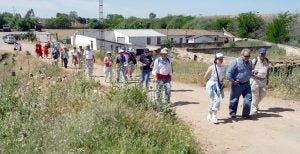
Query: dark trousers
[(65, 62)]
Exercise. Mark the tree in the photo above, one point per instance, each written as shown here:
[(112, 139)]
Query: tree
[(62, 20), (199, 23), (73, 15), (94, 24), (30, 14), (223, 22), (169, 43), (152, 15), (278, 30), (248, 25), (113, 20)]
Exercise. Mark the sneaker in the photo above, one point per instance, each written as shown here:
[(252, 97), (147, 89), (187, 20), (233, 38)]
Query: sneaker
[(246, 116), (209, 116), (233, 115), (214, 119)]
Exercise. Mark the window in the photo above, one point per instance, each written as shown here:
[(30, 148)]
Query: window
[(180, 40), (158, 40), (112, 47), (148, 40)]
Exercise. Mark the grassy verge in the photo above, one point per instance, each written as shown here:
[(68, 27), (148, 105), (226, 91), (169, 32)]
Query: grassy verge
[(189, 71), (66, 113)]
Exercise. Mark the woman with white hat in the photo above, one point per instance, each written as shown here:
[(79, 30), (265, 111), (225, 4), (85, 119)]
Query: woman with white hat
[(108, 61), (214, 86)]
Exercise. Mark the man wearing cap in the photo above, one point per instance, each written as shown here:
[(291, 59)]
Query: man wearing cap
[(90, 59), (108, 61), (146, 61), (238, 74), (121, 66), (162, 70), (259, 78)]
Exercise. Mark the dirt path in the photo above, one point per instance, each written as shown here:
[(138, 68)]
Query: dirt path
[(275, 129)]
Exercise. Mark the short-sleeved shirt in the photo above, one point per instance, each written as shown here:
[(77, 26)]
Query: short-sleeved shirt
[(261, 67), (89, 54)]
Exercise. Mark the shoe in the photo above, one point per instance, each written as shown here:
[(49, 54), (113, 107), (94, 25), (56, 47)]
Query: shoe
[(209, 116), (246, 116), (214, 118), (254, 112), (233, 115)]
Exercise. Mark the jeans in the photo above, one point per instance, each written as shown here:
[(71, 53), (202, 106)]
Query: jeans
[(108, 73), (144, 78), (123, 71), (167, 83), (90, 65), (214, 98), (65, 62), (243, 89)]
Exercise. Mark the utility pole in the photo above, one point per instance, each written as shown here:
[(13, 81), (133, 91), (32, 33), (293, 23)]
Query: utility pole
[(101, 28)]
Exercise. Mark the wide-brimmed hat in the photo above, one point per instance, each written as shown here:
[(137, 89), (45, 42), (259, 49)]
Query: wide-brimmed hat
[(121, 51), (108, 52), (164, 51)]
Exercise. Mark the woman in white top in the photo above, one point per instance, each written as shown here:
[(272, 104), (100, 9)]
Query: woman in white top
[(214, 86)]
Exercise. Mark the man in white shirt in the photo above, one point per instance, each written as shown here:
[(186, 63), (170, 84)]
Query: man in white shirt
[(162, 70), (258, 81), (90, 59)]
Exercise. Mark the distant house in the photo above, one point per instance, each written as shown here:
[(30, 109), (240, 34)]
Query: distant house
[(119, 38), (182, 36), (98, 40)]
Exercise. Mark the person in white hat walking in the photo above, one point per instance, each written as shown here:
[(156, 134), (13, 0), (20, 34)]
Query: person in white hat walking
[(108, 61), (162, 70), (214, 86)]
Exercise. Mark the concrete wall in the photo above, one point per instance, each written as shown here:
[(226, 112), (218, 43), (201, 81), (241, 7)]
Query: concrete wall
[(83, 41), (177, 38)]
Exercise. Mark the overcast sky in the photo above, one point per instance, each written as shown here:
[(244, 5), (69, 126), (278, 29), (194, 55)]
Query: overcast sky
[(139, 8)]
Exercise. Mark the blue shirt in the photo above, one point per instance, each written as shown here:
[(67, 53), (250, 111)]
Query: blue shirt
[(239, 71), (147, 60)]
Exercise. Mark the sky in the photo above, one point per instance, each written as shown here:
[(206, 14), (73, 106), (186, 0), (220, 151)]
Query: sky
[(139, 8)]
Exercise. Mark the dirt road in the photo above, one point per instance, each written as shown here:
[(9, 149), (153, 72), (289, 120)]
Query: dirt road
[(275, 129)]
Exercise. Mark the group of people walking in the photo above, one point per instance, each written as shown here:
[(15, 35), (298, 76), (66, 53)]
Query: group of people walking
[(126, 62), (247, 78)]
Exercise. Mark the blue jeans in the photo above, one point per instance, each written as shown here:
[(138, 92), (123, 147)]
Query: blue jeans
[(144, 78), (243, 89), (123, 71), (167, 83), (214, 99)]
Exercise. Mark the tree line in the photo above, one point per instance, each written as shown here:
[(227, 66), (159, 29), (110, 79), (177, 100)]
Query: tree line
[(246, 25)]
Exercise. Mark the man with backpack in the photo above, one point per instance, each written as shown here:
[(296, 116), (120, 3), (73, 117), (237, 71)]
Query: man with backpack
[(162, 70), (259, 79)]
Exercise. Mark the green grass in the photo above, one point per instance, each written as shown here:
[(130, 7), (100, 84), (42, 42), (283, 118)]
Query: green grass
[(77, 115), (189, 71)]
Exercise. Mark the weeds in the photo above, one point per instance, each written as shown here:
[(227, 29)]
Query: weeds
[(76, 115)]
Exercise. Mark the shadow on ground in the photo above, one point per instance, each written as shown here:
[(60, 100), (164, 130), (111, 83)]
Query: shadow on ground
[(181, 103)]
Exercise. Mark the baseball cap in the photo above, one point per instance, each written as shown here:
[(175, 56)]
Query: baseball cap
[(262, 50), (219, 55), (108, 52)]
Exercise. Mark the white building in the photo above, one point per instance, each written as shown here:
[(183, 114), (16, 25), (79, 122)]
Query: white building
[(138, 38), (120, 38), (98, 40)]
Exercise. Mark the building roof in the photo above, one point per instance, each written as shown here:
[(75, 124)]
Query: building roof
[(140, 32), (186, 32)]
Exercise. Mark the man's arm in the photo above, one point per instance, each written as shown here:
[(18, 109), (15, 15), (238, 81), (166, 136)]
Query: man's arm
[(231, 71)]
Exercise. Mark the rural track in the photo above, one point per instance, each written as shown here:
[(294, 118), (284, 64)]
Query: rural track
[(275, 129)]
